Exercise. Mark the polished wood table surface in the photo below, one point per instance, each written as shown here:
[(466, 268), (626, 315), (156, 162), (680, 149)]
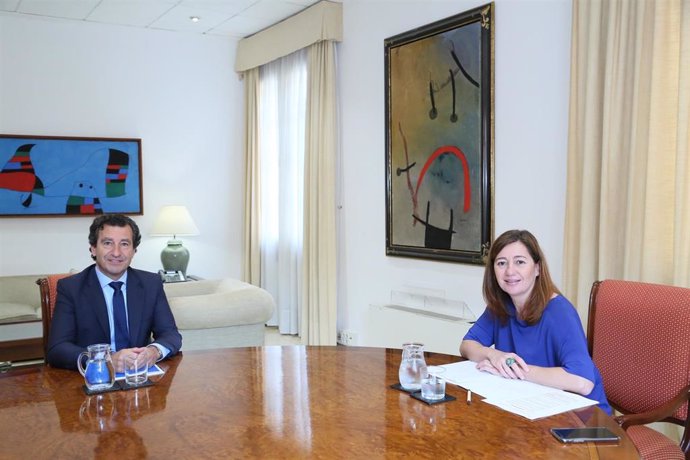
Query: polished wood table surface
[(274, 402)]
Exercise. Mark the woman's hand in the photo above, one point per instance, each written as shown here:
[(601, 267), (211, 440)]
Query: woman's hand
[(507, 365), (496, 362), (486, 366)]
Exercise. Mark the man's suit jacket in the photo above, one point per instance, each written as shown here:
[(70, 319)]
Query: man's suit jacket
[(81, 316)]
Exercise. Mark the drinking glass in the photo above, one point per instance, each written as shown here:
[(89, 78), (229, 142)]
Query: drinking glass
[(433, 388), (136, 371)]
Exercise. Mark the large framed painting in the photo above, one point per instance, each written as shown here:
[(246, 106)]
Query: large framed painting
[(439, 139), (69, 176)]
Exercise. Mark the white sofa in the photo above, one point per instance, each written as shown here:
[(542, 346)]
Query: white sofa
[(19, 299), (219, 313), (21, 329)]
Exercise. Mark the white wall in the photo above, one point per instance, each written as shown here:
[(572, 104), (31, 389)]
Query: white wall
[(532, 49), (177, 92)]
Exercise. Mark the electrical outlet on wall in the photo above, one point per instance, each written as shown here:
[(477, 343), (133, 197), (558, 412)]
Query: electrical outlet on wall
[(346, 337)]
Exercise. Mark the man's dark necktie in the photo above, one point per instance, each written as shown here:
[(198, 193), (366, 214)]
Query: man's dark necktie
[(119, 316)]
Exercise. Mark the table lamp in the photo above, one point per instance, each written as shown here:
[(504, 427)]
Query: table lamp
[(175, 221)]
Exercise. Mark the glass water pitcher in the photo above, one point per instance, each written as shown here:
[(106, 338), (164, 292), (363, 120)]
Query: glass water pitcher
[(412, 366), (99, 373)]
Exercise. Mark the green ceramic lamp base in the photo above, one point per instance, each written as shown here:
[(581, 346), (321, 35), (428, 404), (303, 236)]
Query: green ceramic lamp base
[(175, 257)]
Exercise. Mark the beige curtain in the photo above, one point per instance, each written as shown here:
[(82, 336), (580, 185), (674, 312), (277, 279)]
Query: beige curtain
[(319, 27), (252, 187), (321, 21), (627, 211), (319, 284)]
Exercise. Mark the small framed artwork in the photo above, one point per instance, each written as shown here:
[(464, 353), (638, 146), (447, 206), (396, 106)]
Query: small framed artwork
[(69, 176), (439, 139)]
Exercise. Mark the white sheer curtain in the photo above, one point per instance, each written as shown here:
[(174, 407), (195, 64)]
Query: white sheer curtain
[(282, 108)]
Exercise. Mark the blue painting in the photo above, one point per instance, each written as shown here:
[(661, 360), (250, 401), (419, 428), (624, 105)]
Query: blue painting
[(66, 176)]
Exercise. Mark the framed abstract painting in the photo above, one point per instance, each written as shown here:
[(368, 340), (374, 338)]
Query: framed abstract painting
[(439, 139), (69, 176)]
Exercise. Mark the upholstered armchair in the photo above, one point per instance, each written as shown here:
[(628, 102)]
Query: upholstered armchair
[(48, 289), (639, 338)]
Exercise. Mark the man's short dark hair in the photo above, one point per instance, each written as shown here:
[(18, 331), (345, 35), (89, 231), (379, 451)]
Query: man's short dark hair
[(114, 220)]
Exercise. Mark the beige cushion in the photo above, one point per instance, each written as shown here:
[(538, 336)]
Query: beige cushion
[(218, 303), (14, 309)]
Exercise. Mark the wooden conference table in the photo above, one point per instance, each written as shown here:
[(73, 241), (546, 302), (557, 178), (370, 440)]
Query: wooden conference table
[(274, 402)]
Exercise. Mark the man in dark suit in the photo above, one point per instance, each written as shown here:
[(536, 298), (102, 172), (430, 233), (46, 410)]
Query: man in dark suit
[(88, 310)]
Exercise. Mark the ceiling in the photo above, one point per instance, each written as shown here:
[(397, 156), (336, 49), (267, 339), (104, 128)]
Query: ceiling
[(232, 18)]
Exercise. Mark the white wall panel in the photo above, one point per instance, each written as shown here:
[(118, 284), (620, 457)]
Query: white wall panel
[(175, 91)]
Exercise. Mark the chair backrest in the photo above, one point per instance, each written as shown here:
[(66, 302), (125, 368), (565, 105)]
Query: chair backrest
[(639, 338), (48, 290)]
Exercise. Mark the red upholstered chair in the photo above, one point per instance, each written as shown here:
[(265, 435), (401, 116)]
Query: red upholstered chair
[(48, 289), (639, 338)]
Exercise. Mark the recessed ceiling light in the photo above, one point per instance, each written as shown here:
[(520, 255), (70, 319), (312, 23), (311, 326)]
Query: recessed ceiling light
[(194, 18)]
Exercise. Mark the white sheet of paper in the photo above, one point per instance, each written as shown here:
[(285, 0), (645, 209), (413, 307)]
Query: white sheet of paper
[(527, 399), (543, 405)]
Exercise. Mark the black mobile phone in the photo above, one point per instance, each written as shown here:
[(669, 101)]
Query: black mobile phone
[(589, 434)]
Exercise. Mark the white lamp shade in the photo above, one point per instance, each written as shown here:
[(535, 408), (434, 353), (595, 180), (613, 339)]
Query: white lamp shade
[(174, 220)]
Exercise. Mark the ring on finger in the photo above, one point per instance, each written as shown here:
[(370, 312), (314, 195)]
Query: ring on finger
[(510, 362)]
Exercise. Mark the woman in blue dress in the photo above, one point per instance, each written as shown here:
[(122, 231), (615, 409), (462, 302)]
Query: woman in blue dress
[(529, 330)]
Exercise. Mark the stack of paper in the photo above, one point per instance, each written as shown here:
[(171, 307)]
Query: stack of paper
[(527, 399)]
